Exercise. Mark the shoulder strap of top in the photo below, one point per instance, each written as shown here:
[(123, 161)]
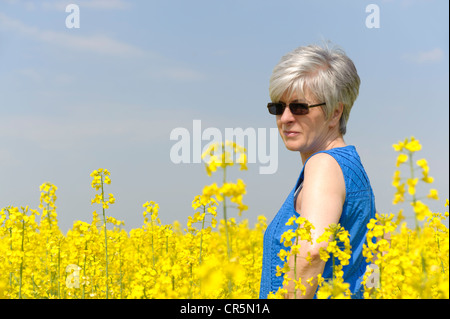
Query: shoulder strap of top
[(351, 166)]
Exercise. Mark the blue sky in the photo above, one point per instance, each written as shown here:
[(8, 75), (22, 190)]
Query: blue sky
[(109, 93)]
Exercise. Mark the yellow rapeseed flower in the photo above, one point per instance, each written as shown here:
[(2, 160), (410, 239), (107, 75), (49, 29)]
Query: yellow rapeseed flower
[(400, 146), (396, 179), (401, 158), (412, 182), (433, 194), (413, 145), (421, 210)]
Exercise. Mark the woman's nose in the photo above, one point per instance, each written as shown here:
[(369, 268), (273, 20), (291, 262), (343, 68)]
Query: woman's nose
[(287, 116)]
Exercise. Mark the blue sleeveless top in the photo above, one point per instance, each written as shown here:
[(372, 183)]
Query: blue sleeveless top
[(358, 209)]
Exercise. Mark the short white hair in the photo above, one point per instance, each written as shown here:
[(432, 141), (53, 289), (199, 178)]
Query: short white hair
[(327, 72)]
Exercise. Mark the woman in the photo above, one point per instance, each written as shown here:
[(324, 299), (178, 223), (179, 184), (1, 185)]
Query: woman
[(312, 91)]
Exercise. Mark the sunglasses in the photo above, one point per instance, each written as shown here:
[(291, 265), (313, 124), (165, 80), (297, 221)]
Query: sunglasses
[(297, 108)]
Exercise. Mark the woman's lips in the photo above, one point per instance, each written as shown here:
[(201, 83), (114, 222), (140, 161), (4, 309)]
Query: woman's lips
[(290, 133)]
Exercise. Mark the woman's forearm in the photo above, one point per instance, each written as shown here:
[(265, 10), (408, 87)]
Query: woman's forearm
[(305, 270)]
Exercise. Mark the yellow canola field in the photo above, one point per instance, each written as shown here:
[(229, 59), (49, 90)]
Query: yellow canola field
[(213, 257)]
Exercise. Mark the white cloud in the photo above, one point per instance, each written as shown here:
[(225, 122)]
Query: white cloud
[(36, 75), (183, 74), (61, 4), (90, 124), (100, 44), (407, 3), (431, 56), (30, 74), (104, 4)]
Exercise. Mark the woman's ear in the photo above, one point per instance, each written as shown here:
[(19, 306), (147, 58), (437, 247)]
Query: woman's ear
[(336, 116)]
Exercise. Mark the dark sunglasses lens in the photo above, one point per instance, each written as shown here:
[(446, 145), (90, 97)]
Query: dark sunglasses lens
[(275, 108), (299, 108)]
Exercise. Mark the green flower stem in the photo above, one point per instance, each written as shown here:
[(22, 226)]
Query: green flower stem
[(84, 271), (59, 268), (414, 199), (201, 236), (23, 256), (106, 240), (295, 270), (225, 215)]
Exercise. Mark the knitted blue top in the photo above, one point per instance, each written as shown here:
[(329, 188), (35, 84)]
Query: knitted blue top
[(358, 209)]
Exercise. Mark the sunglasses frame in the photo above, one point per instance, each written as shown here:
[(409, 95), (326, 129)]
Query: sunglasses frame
[(305, 107)]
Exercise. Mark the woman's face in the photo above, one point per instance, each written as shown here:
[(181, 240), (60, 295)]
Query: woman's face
[(304, 133)]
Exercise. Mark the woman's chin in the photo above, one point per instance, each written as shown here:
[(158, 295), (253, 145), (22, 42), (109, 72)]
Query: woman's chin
[(292, 146)]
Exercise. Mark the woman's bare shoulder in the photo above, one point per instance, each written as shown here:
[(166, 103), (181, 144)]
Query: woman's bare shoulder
[(323, 169), (322, 163)]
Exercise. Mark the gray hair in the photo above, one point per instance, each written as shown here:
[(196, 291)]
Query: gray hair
[(327, 72)]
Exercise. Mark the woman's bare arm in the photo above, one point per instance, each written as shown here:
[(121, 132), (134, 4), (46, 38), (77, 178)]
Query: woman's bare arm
[(320, 201)]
